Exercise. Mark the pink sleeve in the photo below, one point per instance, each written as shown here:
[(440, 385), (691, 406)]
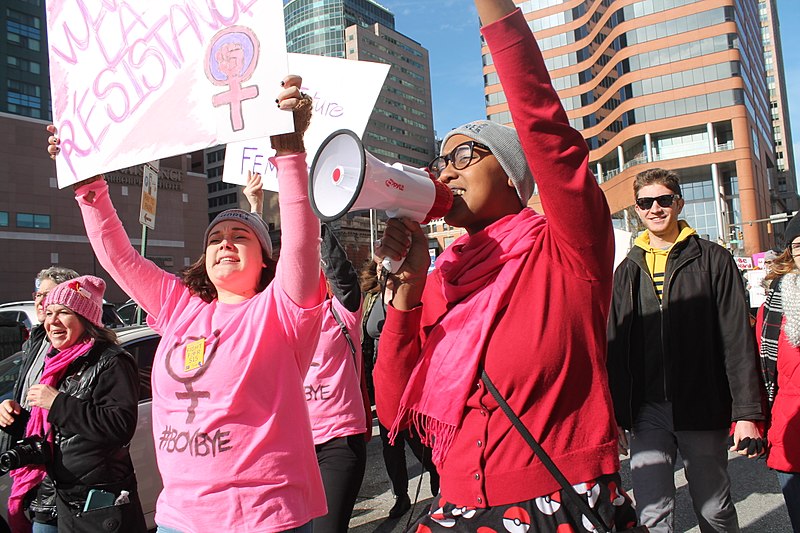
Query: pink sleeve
[(576, 209), (300, 233), (140, 278)]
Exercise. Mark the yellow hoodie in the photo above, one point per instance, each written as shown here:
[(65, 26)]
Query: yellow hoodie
[(656, 258)]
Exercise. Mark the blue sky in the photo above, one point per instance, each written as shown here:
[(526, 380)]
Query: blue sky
[(449, 30)]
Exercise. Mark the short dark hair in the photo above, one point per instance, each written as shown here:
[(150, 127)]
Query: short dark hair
[(667, 178), (196, 279)]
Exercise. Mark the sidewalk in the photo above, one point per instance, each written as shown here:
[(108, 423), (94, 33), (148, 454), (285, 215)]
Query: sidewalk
[(755, 492)]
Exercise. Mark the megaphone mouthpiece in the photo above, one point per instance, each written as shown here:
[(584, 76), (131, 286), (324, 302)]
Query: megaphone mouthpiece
[(442, 203)]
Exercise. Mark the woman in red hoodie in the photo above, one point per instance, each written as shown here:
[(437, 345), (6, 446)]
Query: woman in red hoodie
[(778, 334), (524, 297)]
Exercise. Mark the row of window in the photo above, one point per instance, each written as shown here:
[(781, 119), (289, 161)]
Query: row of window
[(25, 65), (414, 148), (26, 220)]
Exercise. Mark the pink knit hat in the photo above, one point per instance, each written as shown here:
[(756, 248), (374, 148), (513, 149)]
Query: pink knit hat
[(83, 295)]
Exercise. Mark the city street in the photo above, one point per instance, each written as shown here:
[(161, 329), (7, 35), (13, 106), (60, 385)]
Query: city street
[(755, 490)]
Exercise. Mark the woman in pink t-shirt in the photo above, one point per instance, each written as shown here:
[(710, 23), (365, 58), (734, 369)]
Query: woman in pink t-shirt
[(231, 429)]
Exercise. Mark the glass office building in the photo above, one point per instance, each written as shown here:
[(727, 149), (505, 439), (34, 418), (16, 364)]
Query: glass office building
[(317, 27), (677, 84), (24, 78)]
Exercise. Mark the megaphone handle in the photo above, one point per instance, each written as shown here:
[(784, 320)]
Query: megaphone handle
[(390, 265)]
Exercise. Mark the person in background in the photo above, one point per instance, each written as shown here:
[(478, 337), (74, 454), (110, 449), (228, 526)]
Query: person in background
[(394, 453), (33, 354), (83, 414), (335, 389), (520, 296), (681, 361), (778, 335), (233, 438)]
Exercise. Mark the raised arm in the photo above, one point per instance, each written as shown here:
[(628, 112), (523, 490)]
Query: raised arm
[(140, 278), (339, 271), (299, 261), (492, 10), (557, 154)]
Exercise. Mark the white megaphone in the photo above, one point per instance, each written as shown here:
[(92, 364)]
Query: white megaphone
[(344, 177)]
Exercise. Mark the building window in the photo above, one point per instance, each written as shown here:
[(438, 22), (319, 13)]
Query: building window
[(32, 220), (3, 219), (217, 155)]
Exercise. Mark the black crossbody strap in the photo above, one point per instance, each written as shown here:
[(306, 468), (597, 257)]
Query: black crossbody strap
[(569, 490), (344, 331)]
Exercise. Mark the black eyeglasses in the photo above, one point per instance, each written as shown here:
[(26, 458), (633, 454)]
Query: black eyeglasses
[(461, 157), (665, 200)]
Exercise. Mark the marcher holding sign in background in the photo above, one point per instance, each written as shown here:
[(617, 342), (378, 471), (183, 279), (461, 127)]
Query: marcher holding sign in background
[(521, 296), (233, 439)]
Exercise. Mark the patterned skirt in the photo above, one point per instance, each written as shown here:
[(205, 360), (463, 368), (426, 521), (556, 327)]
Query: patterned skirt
[(543, 514)]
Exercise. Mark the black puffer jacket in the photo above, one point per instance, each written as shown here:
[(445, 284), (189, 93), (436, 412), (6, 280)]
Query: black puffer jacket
[(93, 419), (707, 345)]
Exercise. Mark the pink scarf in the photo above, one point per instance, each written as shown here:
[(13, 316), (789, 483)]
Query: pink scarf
[(30, 476), (479, 273)]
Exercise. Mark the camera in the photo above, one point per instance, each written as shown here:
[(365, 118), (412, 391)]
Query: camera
[(28, 451)]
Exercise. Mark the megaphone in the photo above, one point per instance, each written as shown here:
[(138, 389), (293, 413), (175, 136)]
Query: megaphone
[(345, 177)]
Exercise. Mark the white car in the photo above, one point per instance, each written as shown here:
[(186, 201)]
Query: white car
[(141, 343), (25, 312)]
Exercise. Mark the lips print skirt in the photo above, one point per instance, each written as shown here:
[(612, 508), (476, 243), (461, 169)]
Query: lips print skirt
[(543, 514)]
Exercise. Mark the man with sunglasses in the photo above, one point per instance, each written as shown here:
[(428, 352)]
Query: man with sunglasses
[(681, 361)]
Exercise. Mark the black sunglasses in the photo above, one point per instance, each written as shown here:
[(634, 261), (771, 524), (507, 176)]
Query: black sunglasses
[(461, 157), (665, 200)]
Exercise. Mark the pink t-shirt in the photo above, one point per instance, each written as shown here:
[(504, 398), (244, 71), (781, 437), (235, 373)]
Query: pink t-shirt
[(333, 383), (232, 437), (232, 434)]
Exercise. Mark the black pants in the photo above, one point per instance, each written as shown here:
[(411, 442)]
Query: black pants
[(342, 462), (394, 457)]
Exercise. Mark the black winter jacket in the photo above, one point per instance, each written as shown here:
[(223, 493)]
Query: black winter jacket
[(708, 349), (93, 419), (10, 435)]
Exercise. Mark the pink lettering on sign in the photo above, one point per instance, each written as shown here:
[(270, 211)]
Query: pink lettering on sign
[(231, 59), (136, 54), (391, 184)]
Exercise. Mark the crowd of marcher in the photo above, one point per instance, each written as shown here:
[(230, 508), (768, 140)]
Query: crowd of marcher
[(517, 370)]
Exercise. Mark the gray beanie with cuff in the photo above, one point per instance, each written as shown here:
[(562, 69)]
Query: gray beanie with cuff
[(504, 143), (251, 220)]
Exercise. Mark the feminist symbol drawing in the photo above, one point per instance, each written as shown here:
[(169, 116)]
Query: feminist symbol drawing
[(173, 362), (231, 59)]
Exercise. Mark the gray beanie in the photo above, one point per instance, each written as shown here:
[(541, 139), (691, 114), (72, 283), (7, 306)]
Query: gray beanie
[(504, 144), (251, 220), (792, 230)]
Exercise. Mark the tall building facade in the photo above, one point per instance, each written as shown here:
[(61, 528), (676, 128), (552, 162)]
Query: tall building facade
[(400, 127), (785, 186), (24, 77), (39, 222), (677, 84)]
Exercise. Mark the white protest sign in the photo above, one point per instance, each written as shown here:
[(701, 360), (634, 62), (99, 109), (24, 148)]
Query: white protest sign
[(744, 263), (137, 81), (344, 93), (622, 245)]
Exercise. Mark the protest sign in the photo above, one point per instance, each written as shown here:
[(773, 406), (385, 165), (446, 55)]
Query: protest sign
[(137, 81), (344, 93)]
